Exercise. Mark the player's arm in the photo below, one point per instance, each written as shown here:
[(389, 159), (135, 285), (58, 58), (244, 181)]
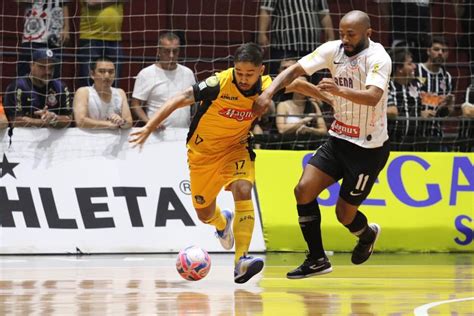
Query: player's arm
[(392, 111), (308, 89), (264, 20), (26, 121), (138, 110), (125, 110), (371, 96), (16, 116), (180, 100), (185, 98), (286, 77)]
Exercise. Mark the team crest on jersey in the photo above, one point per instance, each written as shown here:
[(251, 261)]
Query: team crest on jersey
[(51, 99), (199, 199), (422, 80), (442, 85), (238, 115), (413, 91), (354, 64)]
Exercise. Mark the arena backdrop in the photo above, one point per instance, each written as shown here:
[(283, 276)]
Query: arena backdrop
[(67, 190)]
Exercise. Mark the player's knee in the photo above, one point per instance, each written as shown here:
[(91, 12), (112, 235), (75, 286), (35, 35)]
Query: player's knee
[(301, 193), (204, 214), (243, 191)]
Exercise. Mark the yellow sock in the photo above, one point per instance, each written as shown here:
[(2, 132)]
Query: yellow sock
[(218, 220), (243, 227)]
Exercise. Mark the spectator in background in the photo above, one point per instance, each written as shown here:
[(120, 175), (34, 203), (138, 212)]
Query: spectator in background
[(295, 28), (465, 13), (300, 115), (102, 106), (46, 26), (409, 24), (37, 100), (468, 105), (157, 83), (436, 81), (100, 35), (3, 116), (404, 101)]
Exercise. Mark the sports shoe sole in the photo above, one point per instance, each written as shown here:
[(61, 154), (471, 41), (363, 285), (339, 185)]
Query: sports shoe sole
[(377, 234), (252, 270), (230, 232), (295, 277)]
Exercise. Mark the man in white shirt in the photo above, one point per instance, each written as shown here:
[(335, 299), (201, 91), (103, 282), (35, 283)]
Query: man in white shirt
[(358, 147), (157, 83)]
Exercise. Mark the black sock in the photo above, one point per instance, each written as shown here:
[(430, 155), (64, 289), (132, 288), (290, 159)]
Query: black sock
[(361, 229), (310, 224)]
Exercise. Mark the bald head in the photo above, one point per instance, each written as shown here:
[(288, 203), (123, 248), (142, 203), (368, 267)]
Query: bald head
[(357, 18), (354, 31)]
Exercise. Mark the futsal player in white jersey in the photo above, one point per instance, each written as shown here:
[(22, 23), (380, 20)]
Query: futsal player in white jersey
[(357, 148)]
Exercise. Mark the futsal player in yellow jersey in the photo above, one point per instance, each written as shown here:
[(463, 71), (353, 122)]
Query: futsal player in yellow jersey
[(219, 153)]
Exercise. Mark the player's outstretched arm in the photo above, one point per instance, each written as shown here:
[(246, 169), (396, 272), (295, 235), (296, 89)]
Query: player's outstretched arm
[(371, 96), (286, 77), (180, 100), (310, 90)]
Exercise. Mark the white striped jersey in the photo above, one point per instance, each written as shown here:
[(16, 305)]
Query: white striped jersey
[(407, 99), (295, 23), (360, 124), (440, 83)]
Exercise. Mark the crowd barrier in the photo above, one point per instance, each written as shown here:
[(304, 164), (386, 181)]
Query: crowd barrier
[(63, 190), (88, 189)]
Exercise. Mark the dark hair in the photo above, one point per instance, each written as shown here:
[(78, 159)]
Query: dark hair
[(249, 52), (438, 40), (399, 56), (93, 65), (170, 36)]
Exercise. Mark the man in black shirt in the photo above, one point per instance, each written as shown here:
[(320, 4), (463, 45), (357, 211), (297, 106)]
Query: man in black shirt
[(37, 100)]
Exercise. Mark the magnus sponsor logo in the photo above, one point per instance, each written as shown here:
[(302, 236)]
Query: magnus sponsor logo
[(348, 130), (239, 115)]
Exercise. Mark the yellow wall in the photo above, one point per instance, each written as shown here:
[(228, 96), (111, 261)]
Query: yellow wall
[(422, 201)]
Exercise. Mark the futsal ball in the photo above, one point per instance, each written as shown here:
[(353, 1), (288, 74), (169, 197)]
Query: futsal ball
[(193, 263)]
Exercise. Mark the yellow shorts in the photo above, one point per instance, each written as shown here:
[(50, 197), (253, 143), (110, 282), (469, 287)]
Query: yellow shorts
[(210, 173)]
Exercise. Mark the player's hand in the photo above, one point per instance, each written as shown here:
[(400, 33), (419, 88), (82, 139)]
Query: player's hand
[(116, 119), (328, 85), (428, 113), (45, 115), (261, 105), (139, 137)]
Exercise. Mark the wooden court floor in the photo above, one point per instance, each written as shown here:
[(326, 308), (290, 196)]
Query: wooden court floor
[(389, 284)]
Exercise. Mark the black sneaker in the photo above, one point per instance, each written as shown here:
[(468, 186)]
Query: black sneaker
[(362, 251), (310, 267)]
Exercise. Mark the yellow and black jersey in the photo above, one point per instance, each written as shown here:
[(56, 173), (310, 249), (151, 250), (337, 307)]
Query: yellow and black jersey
[(224, 116)]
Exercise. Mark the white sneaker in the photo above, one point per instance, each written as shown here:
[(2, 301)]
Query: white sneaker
[(226, 236), (246, 268)]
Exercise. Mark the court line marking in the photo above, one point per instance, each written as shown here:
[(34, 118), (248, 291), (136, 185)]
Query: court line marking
[(423, 309), (368, 279)]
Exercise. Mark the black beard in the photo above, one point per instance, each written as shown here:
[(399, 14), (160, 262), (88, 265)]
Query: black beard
[(359, 47)]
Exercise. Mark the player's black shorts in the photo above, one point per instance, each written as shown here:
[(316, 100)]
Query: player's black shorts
[(358, 167)]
